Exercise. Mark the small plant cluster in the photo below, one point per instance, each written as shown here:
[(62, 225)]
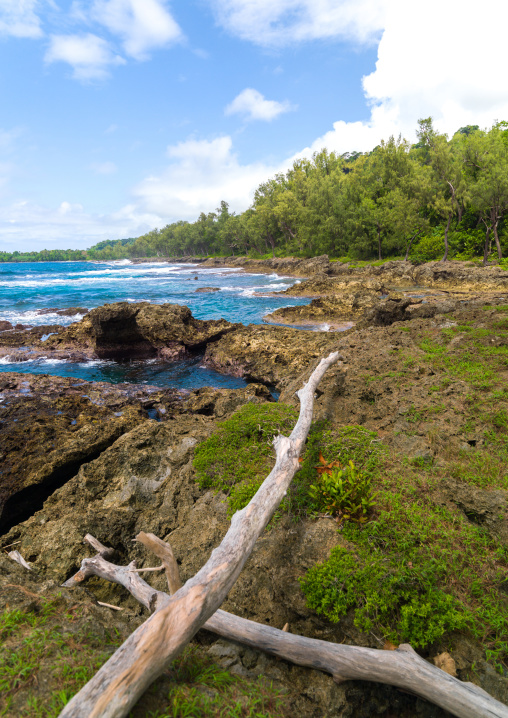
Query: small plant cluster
[(342, 491)]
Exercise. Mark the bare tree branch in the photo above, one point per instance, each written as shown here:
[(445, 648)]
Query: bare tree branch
[(116, 687), (402, 668)]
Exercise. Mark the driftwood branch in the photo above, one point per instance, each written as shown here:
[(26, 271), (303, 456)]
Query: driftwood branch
[(116, 687), (402, 668), (163, 551)]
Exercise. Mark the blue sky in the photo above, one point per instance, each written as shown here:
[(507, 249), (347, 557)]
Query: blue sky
[(117, 116)]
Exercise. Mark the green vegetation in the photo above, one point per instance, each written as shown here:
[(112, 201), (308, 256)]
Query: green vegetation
[(33, 644), (440, 198), (416, 573), (239, 455), (38, 658), (345, 493)]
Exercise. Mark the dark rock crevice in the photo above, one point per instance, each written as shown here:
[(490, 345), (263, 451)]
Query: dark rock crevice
[(26, 502)]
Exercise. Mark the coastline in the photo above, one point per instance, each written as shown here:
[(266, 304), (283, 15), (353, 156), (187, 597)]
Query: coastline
[(405, 406)]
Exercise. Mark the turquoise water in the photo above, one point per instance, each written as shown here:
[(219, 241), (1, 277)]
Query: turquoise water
[(27, 288)]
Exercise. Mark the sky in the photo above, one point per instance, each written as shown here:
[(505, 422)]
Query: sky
[(119, 116)]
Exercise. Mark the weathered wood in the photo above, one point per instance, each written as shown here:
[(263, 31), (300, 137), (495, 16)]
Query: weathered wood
[(163, 551), (124, 576), (102, 550), (402, 668), (116, 687)]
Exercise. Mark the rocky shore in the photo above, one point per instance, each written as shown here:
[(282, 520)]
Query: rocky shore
[(425, 380)]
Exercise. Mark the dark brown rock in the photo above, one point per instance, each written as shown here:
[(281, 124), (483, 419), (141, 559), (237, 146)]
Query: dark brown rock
[(124, 330), (270, 355), (72, 311)]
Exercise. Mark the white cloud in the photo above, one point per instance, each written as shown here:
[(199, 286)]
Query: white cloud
[(104, 168), (25, 225), (253, 106), (89, 55), (422, 68), (200, 175), (282, 22), (19, 19), (143, 25)]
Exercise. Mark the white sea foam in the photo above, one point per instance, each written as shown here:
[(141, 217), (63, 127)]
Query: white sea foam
[(33, 318), (5, 360)]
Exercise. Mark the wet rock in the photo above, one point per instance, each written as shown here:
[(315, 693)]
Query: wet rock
[(72, 311), (4, 325), (50, 426), (124, 330), (207, 289), (270, 355)]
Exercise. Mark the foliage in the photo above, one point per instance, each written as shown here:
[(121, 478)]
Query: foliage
[(342, 492), (445, 195), (238, 456)]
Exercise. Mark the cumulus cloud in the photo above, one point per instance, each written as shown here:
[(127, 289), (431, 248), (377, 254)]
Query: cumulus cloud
[(201, 173), (252, 105), (142, 25), (18, 18), (31, 226), (437, 63), (89, 55), (283, 22)]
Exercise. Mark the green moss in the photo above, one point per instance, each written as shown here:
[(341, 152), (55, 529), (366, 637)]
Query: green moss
[(239, 455)]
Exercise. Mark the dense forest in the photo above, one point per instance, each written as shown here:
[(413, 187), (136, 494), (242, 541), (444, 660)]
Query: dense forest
[(438, 199)]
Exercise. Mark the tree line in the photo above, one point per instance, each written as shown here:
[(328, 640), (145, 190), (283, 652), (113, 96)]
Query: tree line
[(436, 199)]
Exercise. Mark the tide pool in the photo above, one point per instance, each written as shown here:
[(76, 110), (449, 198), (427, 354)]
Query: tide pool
[(28, 288)]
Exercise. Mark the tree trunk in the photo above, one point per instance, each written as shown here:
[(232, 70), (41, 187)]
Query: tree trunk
[(409, 244), (486, 250), (447, 229), (379, 242), (495, 222)]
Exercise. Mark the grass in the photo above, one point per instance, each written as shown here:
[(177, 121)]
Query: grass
[(42, 665), (33, 645), (201, 689)]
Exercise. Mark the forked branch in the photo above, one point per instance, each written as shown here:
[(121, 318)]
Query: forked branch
[(116, 687), (402, 668)]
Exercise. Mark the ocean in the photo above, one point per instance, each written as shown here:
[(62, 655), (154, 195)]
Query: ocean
[(28, 288)]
